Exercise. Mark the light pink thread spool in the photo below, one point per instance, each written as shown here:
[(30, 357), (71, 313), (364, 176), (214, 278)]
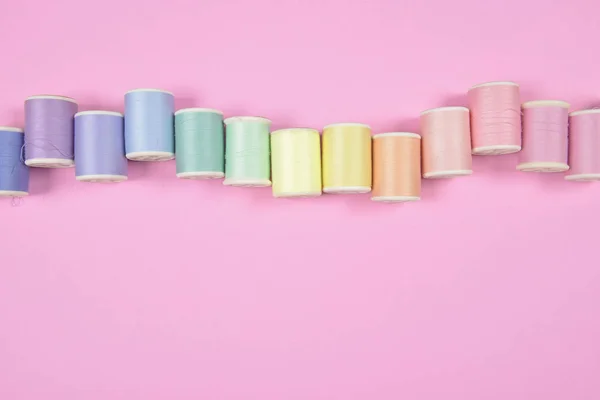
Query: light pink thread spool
[(446, 142), (545, 136), (495, 118), (584, 145)]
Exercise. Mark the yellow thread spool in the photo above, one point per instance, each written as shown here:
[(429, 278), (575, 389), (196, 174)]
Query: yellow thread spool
[(347, 158), (296, 162)]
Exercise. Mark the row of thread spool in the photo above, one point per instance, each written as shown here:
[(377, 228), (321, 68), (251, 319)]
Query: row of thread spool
[(297, 162)]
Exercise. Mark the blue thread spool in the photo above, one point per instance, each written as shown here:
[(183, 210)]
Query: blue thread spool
[(14, 174), (149, 125), (99, 147)]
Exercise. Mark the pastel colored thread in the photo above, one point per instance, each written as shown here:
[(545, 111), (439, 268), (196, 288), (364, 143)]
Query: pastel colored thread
[(347, 157), (149, 125), (49, 131), (247, 152), (584, 146), (14, 174), (199, 143), (446, 142), (545, 136), (495, 118), (296, 162), (396, 167), (100, 147)]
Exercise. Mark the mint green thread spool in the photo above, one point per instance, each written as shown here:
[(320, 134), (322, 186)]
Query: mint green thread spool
[(247, 152), (199, 143)]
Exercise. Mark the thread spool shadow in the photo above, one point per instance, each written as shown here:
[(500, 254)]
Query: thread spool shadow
[(185, 99), (92, 103), (41, 181), (500, 167), (458, 99), (433, 189)]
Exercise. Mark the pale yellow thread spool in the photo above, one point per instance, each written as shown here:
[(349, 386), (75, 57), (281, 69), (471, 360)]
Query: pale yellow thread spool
[(347, 158), (296, 162)]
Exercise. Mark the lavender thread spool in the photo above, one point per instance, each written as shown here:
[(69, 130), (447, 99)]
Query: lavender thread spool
[(14, 174), (49, 131), (100, 147)]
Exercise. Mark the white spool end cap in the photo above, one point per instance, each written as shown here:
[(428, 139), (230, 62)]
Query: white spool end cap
[(150, 156), (542, 166), (13, 193), (101, 178), (346, 189), (201, 175), (49, 163), (583, 177), (395, 199), (247, 182), (496, 150), (447, 174), (297, 195)]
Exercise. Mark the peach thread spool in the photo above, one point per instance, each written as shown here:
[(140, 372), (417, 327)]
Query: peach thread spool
[(584, 145), (545, 136), (495, 118), (446, 142), (396, 167), (347, 158)]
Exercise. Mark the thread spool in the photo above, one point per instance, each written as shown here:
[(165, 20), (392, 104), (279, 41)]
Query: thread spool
[(296, 162), (545, 136), (584, 145), (247, 152), (347, 158), (446, 142), (495, 118), (199, 143), (396, 167), (49, 131), (14, 174), (149, 127), (99, 147)]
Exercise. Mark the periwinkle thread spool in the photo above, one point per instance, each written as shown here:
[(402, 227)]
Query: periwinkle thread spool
[(446, 142), (347, 158), (495, 118), (14, 174), (199, 143), (99, 147), (149, 128), (396, 167), (49, 131), (584, 145), (247, 152), (545, 136), (296, 162)]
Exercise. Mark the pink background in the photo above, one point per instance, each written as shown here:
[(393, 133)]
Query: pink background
[(159, 288)]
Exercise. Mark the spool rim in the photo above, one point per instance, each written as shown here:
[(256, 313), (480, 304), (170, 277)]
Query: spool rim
[(10, 129), (442, 109), (101, 178), (585, 111), (342, 124), (583, 177), (447, 173), (98, 112), (395, 199), (50, 163), (494, 83), (198, 110), (496, 150), (148, 90), (13, 193), (246, 118), (150, 156), (545, 103), (297, 195), (243, 182), (397, 134), (346, 189), (200, 175), (309, 130), (543, 166), (51, 97)]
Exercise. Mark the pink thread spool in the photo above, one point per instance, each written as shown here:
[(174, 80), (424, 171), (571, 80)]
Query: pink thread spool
[(446, 142), (584, 145), (545, 136), (495, 118)]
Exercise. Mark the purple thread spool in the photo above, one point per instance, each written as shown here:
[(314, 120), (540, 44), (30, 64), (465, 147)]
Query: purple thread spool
[(49, 131), (100, 147)]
